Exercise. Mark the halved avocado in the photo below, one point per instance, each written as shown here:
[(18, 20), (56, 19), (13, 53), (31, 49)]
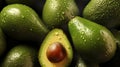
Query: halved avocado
[(56, 50)]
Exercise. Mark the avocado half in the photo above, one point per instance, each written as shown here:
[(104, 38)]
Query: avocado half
[(62, 53)]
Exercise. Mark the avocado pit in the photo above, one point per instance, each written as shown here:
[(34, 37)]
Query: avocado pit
[(56, 52)]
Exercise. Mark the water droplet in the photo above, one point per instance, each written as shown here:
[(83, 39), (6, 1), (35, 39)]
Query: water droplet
[(59, 38), (91, 39), (23, 16), (43, 64), (4, 14), (31, 29), (98, 38), (82, 32), (57, 13), (85, 40), (81, 36), (63, 12), (3, 20), (57, 34)]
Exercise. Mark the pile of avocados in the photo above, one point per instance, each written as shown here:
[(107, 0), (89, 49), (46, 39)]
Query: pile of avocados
[(59, 33)]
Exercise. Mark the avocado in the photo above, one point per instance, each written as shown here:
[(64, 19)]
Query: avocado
[(92, 41), (58, 12), (115, 61), (21, 56), (22, 23), (38, 4), (81, 63), (104, 12), (56, 50), (2, 42)]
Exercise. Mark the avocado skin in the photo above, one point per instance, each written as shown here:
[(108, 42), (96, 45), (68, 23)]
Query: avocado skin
[(2, 42), (88, 34), (115, 61), (21, 56), (58, 12), (22, 23), (104, 12)]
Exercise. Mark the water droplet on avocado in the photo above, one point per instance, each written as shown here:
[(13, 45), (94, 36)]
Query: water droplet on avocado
[(4, 14), (82, 32), (59, 38), (85, 40), (63, 12), (56, 34), (91, 39), (98, 38), (31, 29), (23, 16), (3, 20)]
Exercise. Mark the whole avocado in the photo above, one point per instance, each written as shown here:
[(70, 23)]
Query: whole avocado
[(104, 12), (20, 22), (92, 41), (58, 12), (21, 56)]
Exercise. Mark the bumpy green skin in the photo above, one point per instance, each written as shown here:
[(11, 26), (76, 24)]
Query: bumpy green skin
[(115, 61), (58, 12), (2, 42), (20, 56), (105, 12), (56, 35), (20, 22), (93, 42)]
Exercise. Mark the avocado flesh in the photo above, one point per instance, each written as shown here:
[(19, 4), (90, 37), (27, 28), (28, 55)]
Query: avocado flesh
[(56, 35), (58, 12), (20, 56), (20, 22), (105, 12)]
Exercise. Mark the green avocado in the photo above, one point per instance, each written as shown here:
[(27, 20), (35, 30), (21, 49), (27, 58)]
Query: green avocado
[(82, 63), (115, 61), (56, 50), (2, 42), (92, 41), (59, 12), (20, 22), (105, 12), (21, 56)]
